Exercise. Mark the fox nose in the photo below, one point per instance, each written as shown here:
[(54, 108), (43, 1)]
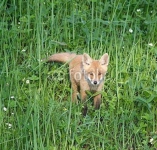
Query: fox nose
[(95, 82)]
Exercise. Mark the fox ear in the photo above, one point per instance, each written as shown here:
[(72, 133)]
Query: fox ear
[(104, 60), (86, 59)]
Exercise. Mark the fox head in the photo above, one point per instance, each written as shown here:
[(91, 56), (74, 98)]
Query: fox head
[(95, 70)]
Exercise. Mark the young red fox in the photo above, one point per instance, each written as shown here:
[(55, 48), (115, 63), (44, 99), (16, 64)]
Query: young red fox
[(85, 73)]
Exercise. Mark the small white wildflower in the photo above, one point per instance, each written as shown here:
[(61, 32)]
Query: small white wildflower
[(4, 108), (138, 10), (151, 12), (9, 125), (23, 50), (19, 22), (150, 44), (12, 113), (131, 30), (12, 97), (27, 81), (151, 141)]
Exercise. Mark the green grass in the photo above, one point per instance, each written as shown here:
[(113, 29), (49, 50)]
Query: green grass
[(35, 98)]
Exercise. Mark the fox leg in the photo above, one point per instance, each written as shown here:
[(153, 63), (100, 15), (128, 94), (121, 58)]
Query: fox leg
[(97, 101), (83, 100), (97, 98), (74, 92), (83, 96)]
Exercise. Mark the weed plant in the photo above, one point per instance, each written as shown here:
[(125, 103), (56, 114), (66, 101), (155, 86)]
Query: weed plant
[(36, 112)]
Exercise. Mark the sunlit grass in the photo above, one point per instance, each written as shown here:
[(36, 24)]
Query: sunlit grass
[(36, 110)]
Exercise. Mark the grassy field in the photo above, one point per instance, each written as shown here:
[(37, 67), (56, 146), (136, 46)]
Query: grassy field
[(36, 112)]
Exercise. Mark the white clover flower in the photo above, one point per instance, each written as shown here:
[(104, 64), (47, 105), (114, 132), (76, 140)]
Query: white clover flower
[(9, 125), (138, 10), (27, 81), (131, 30), (151, 141), (12, 97), (23, 50), (4, 108), (150, 44)]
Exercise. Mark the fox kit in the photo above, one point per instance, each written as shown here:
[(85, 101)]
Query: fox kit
[(86, 74)]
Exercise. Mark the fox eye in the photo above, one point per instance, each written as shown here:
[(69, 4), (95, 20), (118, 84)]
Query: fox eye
[(87, 63), (99, 73), (91, 74)]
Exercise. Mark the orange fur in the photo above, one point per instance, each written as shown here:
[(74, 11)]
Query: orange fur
[(86, 73)]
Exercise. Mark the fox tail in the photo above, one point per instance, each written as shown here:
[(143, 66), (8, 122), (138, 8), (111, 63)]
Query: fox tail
[(61, 57)]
